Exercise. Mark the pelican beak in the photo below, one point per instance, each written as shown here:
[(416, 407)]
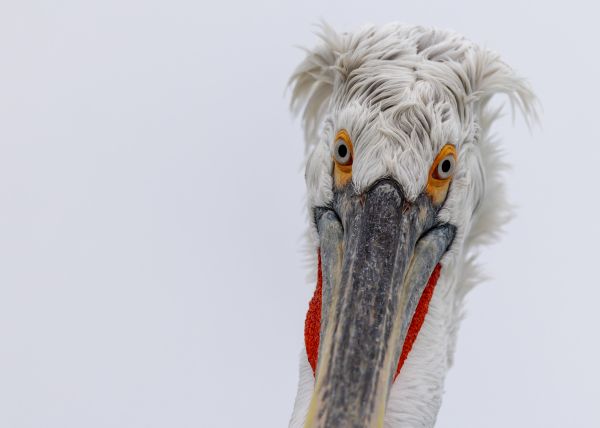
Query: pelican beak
[(378, 252)]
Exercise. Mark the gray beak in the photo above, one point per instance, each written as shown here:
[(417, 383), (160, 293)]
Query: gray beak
[(378, 251)]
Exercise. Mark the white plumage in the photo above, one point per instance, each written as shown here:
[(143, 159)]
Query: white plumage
[(403, 92)]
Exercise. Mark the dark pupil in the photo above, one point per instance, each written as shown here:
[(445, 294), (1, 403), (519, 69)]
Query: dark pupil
[(446, 165), (342, 150)]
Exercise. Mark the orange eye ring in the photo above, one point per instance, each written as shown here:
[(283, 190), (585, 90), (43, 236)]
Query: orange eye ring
[(441, 173), (343, 156)]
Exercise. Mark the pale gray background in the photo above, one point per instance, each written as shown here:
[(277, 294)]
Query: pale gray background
[(151, 197)]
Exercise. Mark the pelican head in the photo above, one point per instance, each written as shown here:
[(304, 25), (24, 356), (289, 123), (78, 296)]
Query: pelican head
[(403, 184)]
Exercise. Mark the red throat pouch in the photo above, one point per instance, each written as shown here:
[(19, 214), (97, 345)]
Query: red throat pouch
[(312, 324)]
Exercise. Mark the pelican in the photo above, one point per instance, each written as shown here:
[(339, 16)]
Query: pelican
[(404, 184)]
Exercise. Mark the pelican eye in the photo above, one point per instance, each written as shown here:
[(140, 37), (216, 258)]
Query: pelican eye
[(343, 154), (445, 167), (441, 173)]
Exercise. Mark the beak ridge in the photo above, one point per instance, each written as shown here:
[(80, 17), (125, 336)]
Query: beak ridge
[(376, 261)]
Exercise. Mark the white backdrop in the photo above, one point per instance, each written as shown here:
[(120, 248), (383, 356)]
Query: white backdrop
[(151, 215)]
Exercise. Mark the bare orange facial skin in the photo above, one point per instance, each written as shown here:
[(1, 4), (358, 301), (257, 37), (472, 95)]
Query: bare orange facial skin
[(342, 172), (438, 183)]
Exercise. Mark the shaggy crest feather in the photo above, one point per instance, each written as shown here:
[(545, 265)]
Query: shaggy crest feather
[(403, 92)]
